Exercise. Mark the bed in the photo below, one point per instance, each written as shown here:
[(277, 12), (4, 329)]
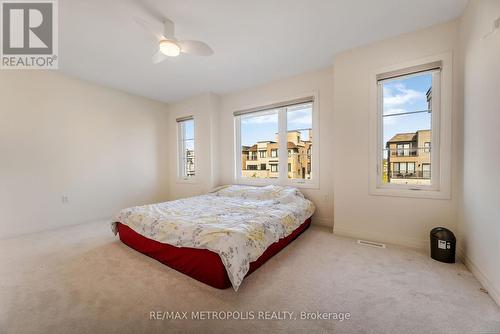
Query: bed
[(218, 238)]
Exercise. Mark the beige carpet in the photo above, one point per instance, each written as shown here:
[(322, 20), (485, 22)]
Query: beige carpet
[(81, 279)]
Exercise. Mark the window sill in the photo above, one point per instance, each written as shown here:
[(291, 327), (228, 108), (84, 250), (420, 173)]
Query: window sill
[(411, 193), (289, 183), (305, 184), (191, 181)]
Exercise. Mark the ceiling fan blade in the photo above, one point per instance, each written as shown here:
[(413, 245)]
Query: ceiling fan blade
[(158, 57), (168, 29), (147, 26), (196, 48)]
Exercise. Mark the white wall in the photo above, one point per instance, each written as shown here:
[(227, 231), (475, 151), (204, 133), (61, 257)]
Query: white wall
[(204, 108), (320, 81), (398, 220), (480, 201), (60, 136)]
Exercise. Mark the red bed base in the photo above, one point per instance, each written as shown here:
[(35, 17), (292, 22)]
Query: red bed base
[(200, 264)]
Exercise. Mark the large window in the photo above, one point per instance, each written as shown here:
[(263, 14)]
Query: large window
[(282, 130), (185, 129), (409, 112)]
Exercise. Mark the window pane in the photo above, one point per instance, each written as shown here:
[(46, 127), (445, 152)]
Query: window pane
[(411, 167), (426, 170), (189, 129), (189, 166), (407, 104), (186, 149), (259, 136), (189, 145), (299, 141)]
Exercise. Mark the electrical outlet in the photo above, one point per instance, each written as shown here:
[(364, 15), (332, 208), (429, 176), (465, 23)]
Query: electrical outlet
[(64, 199)]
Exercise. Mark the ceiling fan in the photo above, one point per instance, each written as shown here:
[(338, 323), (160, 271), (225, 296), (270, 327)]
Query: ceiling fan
[(170, 46)]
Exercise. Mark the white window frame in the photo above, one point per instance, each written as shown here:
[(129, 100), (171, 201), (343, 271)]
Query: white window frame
[(181, 173), (282, 179), (441, 127)]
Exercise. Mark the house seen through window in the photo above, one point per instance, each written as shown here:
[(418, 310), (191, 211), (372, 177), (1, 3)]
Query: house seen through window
[(407, 129), (259, 136)]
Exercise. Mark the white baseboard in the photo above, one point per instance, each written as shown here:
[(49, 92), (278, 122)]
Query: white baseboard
[(384, 238), (480, 276)]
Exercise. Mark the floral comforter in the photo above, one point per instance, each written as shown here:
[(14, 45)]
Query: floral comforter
[(236, 222)]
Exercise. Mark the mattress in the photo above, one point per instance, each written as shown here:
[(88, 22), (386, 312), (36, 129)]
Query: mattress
[(201, 264), (238, 223)]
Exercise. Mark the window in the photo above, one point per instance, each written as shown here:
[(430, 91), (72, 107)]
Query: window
[(407, 126), (262, 154), (401, 169), (402, 150), (281, 130), (426, 171), (185, 129), (411, 104), (263, 167), (427, 147)]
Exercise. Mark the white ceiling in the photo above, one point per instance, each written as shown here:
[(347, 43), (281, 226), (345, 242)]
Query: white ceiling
[(254, 41)]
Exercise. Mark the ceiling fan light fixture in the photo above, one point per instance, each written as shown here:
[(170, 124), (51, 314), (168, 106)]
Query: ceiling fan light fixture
[(169, 48)]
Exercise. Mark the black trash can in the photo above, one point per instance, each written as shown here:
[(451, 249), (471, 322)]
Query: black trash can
[(443, 243)]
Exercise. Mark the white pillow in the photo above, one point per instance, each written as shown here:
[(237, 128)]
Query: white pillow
[(250, 192)]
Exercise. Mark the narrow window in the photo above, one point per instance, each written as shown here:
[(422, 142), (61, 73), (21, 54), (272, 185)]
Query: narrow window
[(186, 157)]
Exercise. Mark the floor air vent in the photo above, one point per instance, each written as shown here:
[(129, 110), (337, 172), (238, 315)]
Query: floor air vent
[(371, 244)]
